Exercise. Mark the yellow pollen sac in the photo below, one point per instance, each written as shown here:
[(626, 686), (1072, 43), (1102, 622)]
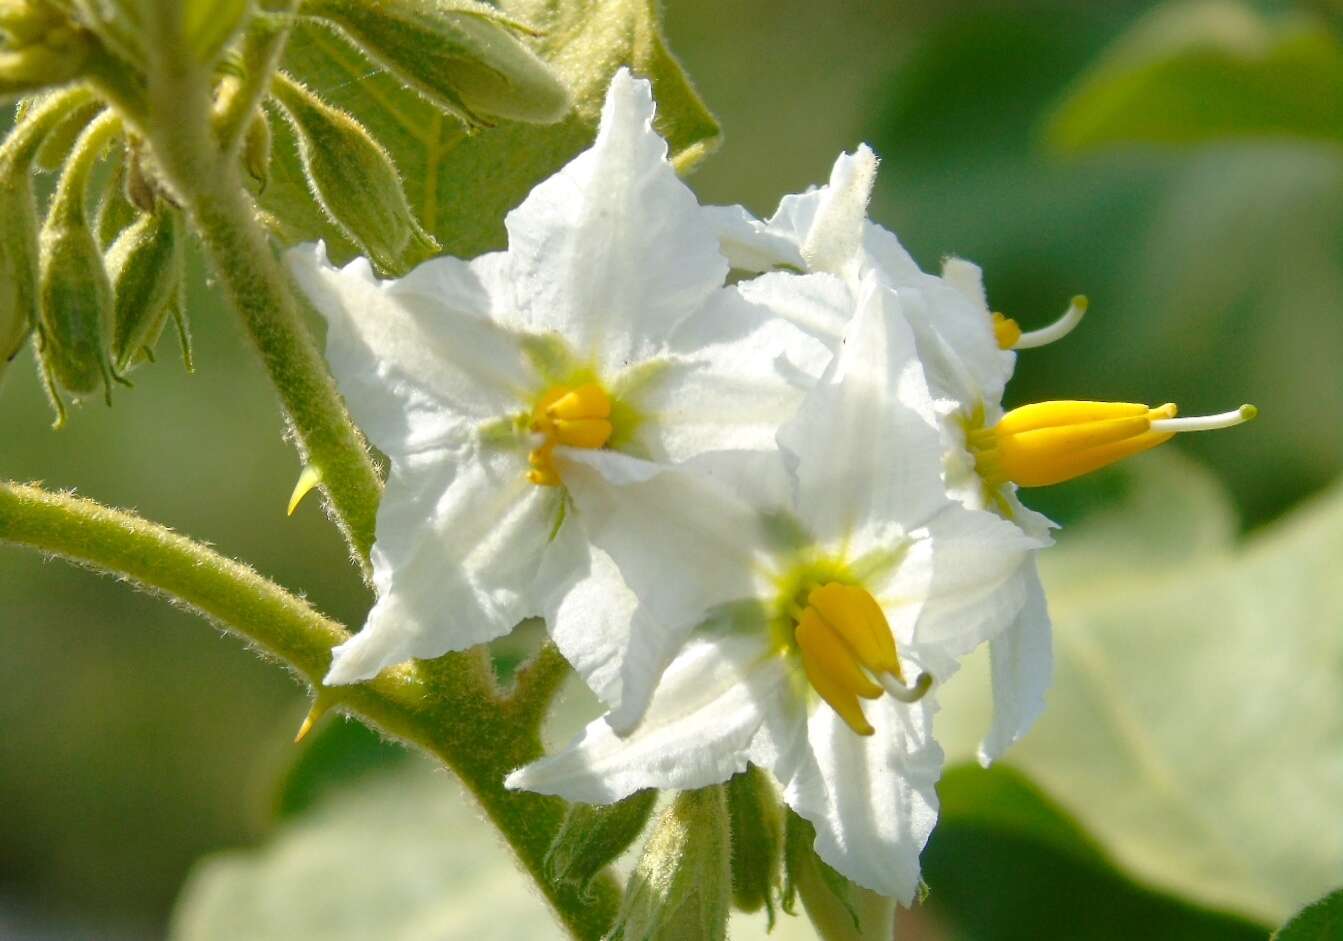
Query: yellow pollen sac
[(574, 416), (1006, 331), (1050, 442), (848, 652)]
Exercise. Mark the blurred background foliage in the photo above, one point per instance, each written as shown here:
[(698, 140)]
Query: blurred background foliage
[(1060, 146)]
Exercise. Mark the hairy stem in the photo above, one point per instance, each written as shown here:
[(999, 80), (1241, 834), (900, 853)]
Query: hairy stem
[(208, 184), (446, 706)]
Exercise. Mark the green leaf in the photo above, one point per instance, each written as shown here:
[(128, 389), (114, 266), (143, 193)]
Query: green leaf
[(460, 185), (1196, 717), (1319, 921), (1202, 70), (398, 853), (336, 756)]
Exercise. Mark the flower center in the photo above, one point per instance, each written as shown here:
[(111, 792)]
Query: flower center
[(574, 416), (1050, 442), (848, 651)]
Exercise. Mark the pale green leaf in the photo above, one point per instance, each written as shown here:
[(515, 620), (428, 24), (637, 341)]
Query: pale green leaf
[(1206, 69), (461, 185), (1195, 725)]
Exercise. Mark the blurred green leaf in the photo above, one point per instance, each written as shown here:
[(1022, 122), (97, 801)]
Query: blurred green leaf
[(1036, 874), (1200, 70), (1319, 921), (1196, 717), (336, 755), (459, 184), (400, 854)]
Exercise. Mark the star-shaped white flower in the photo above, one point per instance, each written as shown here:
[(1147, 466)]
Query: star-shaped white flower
[(834, 571), (590, 333)]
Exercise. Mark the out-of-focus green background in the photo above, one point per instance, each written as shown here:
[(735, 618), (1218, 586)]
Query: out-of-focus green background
[(136, 738)]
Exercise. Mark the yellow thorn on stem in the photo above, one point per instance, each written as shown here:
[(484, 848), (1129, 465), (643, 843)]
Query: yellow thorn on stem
[(307, 480), (314, 714)]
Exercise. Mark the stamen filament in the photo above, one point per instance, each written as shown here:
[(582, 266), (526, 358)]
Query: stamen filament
[(1206, 422), (1057, 330)]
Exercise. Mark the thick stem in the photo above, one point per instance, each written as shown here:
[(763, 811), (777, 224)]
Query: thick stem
[(446, 706), (209, 186)]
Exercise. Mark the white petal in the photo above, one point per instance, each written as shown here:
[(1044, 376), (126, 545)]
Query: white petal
[(833, 241), (416, 359), (872, 799), (968, 278), (866, 442), (748, 243), (464, 552), (741, 374), (613, 251), (697, 730), (1022, 663), (683, 543), (956, 341), (978, 586), (611, 642), (821, 305)]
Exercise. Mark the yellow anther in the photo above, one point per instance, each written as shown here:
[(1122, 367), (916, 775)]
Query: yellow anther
[(1050, 442), (1006, 331), (574, 416), (848, 652)]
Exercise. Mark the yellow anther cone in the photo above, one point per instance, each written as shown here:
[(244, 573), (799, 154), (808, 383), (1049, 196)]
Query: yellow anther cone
[(856, 617), (587, 401), (576, 417)]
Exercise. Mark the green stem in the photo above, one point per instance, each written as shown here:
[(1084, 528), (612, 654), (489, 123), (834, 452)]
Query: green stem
[(446, 706), (209, 186)]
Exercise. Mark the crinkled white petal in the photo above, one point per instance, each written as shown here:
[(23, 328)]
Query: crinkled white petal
[(749, 244), (416, 359), (738, 374), (956, 342), (612, 643), (464, 552), (1021, 662), (820, 305), (613, 251), (697, 731), (872, 799), (978, 584), (682, 542), (866, 444)]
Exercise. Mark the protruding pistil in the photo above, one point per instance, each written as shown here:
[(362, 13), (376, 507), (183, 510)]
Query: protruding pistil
[(1050, 442), (848, 652), (1009, 334)]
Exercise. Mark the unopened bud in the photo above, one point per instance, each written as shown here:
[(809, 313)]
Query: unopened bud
[(19, 269), (757, 841), (115, 211), (145, 265), (354, 180), (210, 24), (838, 909), (681, 886), (43, 50), (55, 150), (256, 149), (460, 55), (75, 294), (593, 836), (24, 22)]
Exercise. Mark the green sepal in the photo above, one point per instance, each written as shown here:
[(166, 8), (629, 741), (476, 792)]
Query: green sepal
[(681, 887), (145, 265), (461, 56), (593, 836), (354, 181), (756, 820), (838, 909)]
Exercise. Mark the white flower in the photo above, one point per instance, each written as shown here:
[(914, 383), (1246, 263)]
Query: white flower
[(834, 571), (589, 332)]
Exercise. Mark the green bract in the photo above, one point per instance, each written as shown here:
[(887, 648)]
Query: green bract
[(593, 836), (145, 264)]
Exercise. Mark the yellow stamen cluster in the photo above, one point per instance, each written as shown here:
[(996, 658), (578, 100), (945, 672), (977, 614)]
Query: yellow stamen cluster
[(574, 416), (848, 651)]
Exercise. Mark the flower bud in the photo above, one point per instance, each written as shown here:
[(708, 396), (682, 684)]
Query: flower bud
[(681, 885), (115, 212), (757, 841), (44, 49), (18, 216), (24, 22), (458, 54), (75, 294), (145, 265), (55, 150), (256, 149), (593, 836), (354, 180)]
